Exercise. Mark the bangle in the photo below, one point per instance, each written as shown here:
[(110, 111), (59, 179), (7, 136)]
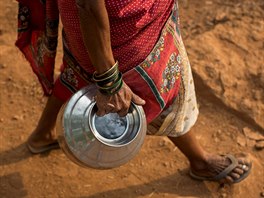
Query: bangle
[(113, 84), (112, 91), (109, 82), (107, 79), (106, 73)]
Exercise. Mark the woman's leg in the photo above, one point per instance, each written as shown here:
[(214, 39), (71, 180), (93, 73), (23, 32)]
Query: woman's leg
[(43, 134), (205, 164)]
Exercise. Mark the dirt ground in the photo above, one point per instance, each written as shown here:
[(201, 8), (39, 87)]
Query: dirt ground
[(159, 170)]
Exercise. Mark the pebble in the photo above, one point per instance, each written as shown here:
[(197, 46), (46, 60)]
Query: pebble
[(165, 164), (2, 66), (223, 195), (257, 94), (241, 141), (253, 135), (251, 143), (10, 78), (162, 143), (15, 117), (259, 145), (262, 194), (208, 2), (216, 140), (221, 17)]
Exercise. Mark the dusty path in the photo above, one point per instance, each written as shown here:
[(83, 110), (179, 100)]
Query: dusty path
[(159, 170)]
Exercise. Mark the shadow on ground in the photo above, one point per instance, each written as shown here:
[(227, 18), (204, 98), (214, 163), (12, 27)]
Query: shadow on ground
[(12, 181), (176, 185), (17, 154)]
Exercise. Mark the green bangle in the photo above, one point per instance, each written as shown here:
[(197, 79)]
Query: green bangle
[(112, 86), (112, 91)]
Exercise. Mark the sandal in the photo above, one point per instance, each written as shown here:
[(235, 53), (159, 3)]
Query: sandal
[(42, 149), (225, 172)]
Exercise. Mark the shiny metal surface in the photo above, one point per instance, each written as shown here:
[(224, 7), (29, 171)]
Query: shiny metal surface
[(99, 142)]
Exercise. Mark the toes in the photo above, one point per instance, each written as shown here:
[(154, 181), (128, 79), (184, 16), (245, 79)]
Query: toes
[(245, 168), (244, 161), (229, 179), (238, 170), (244, 164), (234, 176)]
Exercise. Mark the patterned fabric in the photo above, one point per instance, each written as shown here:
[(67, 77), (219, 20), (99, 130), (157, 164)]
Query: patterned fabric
[(156, 79), (179, 117), (37, 38), (149, 49), (135, 28)]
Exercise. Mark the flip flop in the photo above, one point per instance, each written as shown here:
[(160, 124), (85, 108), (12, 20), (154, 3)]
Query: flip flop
[(225, 172), (42, 149)]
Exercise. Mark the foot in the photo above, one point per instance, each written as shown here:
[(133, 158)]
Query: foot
[(41, 138), (215, 164)]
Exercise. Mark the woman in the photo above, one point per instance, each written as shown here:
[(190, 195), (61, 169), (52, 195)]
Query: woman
[(133, 51)]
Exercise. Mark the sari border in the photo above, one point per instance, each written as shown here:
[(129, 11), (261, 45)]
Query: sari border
[(151, 84)]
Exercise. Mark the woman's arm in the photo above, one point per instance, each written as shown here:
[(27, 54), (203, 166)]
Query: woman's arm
[(96, 35)]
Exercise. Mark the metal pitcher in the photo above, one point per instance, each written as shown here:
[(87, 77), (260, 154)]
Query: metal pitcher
[(99, 142)]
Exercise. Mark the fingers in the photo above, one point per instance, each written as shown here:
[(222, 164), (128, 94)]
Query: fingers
[(112, 109), (108, 108), (118, 103), (121, 110), (100, 112), (137, 100), (122, 113)]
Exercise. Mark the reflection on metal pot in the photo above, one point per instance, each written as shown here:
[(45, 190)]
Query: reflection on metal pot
[(99, 142)]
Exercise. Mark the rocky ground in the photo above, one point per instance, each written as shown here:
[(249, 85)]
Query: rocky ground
[(225, 43)]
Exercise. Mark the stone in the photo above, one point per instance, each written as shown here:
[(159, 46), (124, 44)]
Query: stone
[(2, 66), (221, 17), (208, 2), (259, 145), (16, 117), (10, 78), (223, 195), (253, 135), (241, 141), (165, 164)]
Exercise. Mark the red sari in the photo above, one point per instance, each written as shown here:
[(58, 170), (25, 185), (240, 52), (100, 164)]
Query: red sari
[(144, 37)]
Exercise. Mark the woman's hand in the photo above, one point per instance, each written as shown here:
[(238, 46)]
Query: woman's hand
[(95, 30), (117, 103)]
